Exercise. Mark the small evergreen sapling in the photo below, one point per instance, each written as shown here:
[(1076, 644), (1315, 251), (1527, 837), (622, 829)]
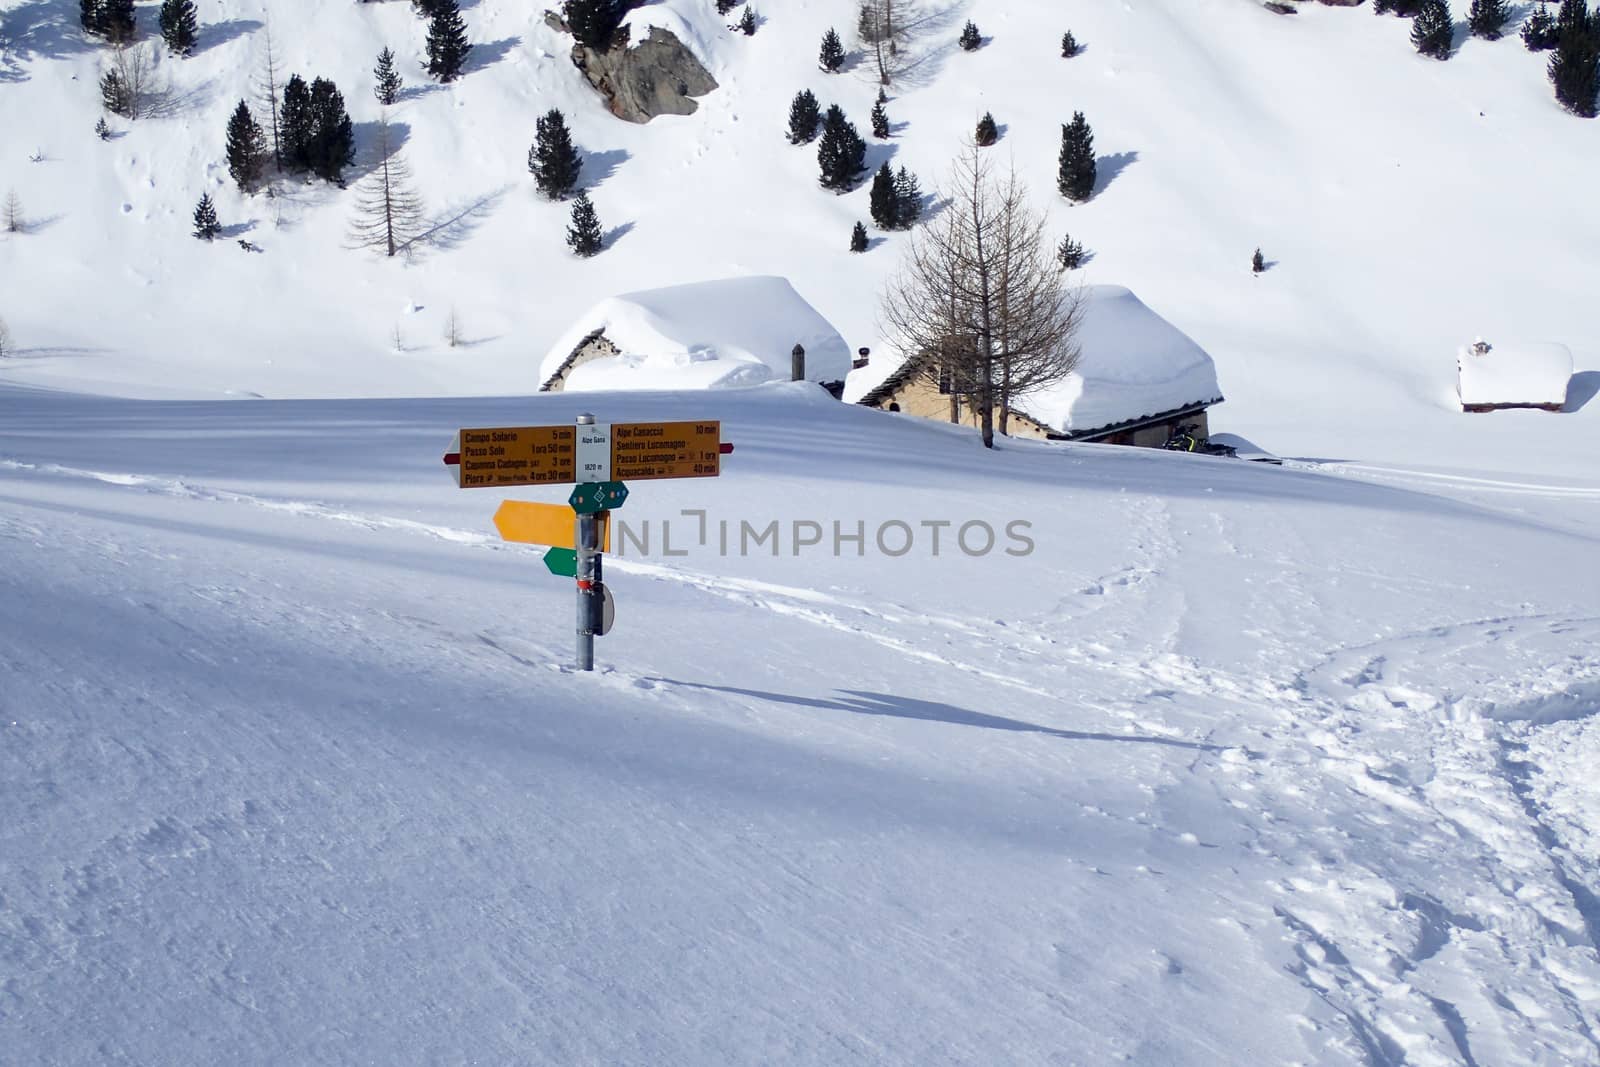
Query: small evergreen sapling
[(1539, 32), (747, 22), (1432, 30), (101, 130), (1486, 17), (1069, 45), (1258, 262), (206, 226), (880, 121), (987, 132), (583, 235), (803, 117), (447, 42), (858, 238), (831, 57), (970, 38), (553, 161), (1070, 254), (1075, 176), (179, 27), (386, 81), (114, 94)]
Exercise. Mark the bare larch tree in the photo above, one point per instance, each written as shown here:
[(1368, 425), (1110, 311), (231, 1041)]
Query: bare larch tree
[(977, 301), (388, 212), (11, 215)]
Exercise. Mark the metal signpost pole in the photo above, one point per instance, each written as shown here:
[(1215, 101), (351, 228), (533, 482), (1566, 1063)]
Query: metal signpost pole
[(587, 543)]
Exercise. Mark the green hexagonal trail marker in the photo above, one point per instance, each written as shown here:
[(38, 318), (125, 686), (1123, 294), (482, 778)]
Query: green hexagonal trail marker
[(590, 497), (562, 561)]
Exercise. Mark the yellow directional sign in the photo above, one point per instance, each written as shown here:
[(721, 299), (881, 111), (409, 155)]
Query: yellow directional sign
[(516, 455), (641, 450), (544, 524)]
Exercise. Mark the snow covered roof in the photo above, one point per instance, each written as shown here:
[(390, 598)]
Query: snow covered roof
[(1514, 375), (1134, 364), (714, 334)]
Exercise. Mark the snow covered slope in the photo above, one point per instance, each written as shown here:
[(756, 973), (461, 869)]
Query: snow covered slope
[(1237, 765), (1396, 221)]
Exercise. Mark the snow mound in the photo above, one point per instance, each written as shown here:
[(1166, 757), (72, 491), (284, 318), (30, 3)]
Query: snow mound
[(1514, 374), (736, 331)]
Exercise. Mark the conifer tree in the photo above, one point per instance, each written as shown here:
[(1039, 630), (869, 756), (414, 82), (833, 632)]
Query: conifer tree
[(832, 56), (725, 6), (179, 27), (317, 128), (1575, 66), (803, 117), (594, 22), (1432, 29), (841, 153), (970, 38), (101, 130), (553, 161), (388, 214), (747, 22), (1486, 17), (583, 236), (1069, 45), (908, 199), (117, 21), (424, 9), (1572, 17), (880, 121), (1075, 176), (884, 205), (447, 41), (114, 94), (1539, 32), (385, 79), (91, 15), (987, 132), (858, 238), (296, 124), (246, 149), (206, 226), (1258, 262), (1069, 254)]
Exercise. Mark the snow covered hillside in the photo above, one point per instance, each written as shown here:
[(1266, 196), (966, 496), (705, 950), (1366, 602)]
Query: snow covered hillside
[(1239, 764), (1404, 205)]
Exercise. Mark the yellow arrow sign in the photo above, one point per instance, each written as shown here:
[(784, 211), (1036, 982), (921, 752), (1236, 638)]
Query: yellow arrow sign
[(544, 524)]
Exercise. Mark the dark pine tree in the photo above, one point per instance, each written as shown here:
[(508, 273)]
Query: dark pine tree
[(908, 199), (553, 161), (594, 22), (831, 57), (858, 238), (880, 121), (447, 41), (1486, 17), (1539, 32), (583, 236), (841, 153), (91, 15), (987, 132), (970, 38), (1432, 30), (118, 22), (1075, 175), (114, 95), (883, 97), (246, 149), (884, 205), (1575, 68), (296, 124), (206, 226), (1572, 17), (725, 6), (385, 79), (101, 130), (747, 22), (424, 8), (803, 117), (1069, 45), (179, 26), (1069, 254), (1403, 8), (333, 141), (1258, 262)]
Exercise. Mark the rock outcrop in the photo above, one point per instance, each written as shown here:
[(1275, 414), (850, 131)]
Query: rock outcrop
[(658, 76)]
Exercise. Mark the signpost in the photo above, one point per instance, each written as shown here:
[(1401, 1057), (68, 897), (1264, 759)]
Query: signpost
[(596, 457)]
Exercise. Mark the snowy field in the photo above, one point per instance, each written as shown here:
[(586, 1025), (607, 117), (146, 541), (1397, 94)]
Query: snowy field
[(1240, 764)]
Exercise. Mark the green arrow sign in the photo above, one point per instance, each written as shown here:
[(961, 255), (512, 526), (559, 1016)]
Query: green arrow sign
[(562, 561), (590, 497)]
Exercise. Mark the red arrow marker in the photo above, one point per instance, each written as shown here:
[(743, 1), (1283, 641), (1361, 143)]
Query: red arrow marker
[(452, 459), (725, 447)]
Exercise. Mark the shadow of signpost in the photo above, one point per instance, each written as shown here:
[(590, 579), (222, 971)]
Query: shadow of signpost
[(1581, 389)]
